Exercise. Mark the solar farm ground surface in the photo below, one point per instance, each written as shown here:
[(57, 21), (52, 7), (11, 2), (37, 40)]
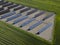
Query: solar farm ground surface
[(29, 19), (48, 5)]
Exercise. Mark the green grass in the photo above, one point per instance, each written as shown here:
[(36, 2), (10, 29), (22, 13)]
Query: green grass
[(14, 36), (48, 5)]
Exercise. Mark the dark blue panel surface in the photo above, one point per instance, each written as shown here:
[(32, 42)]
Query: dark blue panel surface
[(12, 6), (44, 28), (35, 25), (27, 22), (48, 16), (7, 15), (33, 11), (13, 17), (39, 14), (20, 19), (8, 4), (26, 9), (18, 8), (4, 11)]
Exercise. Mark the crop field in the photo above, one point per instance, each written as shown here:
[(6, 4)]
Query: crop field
[(48, 5)]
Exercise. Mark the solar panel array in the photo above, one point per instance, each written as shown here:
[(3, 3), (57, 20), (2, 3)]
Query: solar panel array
[(23, 18)]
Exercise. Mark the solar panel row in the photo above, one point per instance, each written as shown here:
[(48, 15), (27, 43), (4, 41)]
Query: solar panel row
[(33, 11), (35, 25), (8, 4), (4, 11), (44, 28), (27, 22), (48, 16), (1, 3), (37, 15), (18, 8), (13, 17), (0, 0), (20, 19), (26, 9), (8, 14), (12, 6)]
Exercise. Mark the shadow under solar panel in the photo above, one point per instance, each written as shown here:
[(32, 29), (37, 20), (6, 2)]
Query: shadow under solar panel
[(2, 3)]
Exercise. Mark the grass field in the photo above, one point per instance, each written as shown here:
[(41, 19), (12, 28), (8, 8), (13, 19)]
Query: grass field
[(48, 5)]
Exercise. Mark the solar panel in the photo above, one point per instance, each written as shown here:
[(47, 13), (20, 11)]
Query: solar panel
[(7, 4), (31, 11), (12, 6), (1, 9), (44, 28), (35, 25), (7, 15), (1, 0), (48, 16), (27, 22), (39, 14), (18, 8), (20, 19), (26, 9), (13, 17), (4, 11), (1, 3)]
